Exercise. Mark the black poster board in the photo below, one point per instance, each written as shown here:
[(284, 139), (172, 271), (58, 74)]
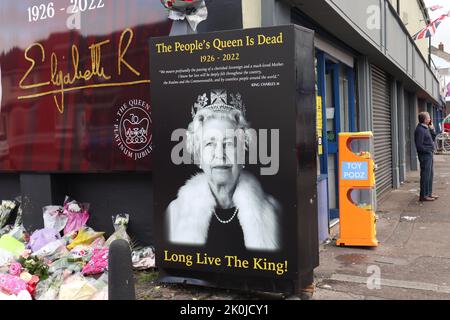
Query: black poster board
[(235, 158)]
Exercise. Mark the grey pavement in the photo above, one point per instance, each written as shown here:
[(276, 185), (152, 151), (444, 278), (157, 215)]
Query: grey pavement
[(413, 259)]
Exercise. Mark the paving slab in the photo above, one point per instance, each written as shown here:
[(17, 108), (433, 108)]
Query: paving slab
[(413, 259)]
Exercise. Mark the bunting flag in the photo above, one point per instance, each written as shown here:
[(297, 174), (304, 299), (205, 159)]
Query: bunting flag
[(437, 7), (430, 29)]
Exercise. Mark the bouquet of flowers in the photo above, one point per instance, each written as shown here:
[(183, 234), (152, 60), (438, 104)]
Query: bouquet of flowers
[(98, 263), (68, 263), (120, 223), (121, 220), (18, 231), (10, 284), (43, 237), (34, 266), (194, 11), (143, 258), (85, 236), (19, 216), (77, 215), (81, 253), (55, 217), (5, 211), (49, 289), (76, 287), (5, 230)]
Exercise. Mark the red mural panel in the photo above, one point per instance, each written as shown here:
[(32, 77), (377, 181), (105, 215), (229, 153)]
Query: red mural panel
[(75, 84)]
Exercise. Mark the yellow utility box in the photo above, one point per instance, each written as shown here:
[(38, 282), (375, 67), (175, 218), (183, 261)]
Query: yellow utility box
[(357, 190)]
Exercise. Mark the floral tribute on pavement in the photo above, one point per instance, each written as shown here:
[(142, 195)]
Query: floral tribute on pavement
[(66, 260)]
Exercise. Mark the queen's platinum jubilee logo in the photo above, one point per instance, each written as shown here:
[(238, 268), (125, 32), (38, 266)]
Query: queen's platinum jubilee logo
[(132, 130)]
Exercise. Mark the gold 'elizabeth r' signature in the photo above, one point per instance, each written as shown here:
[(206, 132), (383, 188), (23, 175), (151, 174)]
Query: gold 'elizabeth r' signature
[(63, 82)]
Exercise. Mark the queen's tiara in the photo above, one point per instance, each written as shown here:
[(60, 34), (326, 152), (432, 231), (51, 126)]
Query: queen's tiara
[(219, 102)]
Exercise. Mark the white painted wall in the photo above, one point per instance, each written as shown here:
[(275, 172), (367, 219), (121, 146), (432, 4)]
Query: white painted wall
[(414, 20)]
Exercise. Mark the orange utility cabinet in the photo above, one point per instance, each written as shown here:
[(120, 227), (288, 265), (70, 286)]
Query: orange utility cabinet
[(357, 190)]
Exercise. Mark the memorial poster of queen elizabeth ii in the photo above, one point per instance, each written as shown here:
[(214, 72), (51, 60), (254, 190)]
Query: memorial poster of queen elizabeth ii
[(225, 152)]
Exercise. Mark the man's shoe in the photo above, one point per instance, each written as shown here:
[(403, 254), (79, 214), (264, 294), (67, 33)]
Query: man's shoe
[(425, 199), (434, 197)]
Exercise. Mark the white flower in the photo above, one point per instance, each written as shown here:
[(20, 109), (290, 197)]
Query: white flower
[(8, 204), (122, 220), (74, 207)]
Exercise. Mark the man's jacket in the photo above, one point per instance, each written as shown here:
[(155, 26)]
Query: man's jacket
[(424, 140)]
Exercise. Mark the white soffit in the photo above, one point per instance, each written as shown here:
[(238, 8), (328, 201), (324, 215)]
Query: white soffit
[(333, 51)]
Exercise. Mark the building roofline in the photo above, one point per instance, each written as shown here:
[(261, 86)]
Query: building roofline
[(441, 54)]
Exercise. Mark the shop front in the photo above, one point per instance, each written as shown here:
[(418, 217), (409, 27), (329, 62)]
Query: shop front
[(336, 87)]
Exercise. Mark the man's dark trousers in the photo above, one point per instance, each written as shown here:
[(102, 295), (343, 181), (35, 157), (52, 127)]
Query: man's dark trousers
[(426, 174)]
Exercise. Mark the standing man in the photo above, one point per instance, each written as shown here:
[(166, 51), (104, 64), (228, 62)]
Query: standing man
[(424, 138)]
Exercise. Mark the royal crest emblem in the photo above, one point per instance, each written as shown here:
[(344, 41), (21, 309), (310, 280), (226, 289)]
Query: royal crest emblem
[(136, 130), (133, 129)]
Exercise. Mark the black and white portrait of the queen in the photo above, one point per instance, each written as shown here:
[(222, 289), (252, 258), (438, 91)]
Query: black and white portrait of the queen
[(223, 206)]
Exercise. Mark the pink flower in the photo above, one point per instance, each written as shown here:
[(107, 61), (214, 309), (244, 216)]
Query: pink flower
[(15, 269), (26, 253)]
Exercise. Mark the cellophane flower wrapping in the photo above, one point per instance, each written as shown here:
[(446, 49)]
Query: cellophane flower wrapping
[(42, 237), (53, 250), (19, 233), (101, 284), (98, 263), (82, 253), (22, 296), (6, 258), (17, 230), (77, 215), (194, 11), (77, 287), (19, 214), (10, 284), (11, 245), (66, 264), (5, 230), (85, 236), (49, 288), (5, 211), (120, 223), (55, 217), (143, 258)]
